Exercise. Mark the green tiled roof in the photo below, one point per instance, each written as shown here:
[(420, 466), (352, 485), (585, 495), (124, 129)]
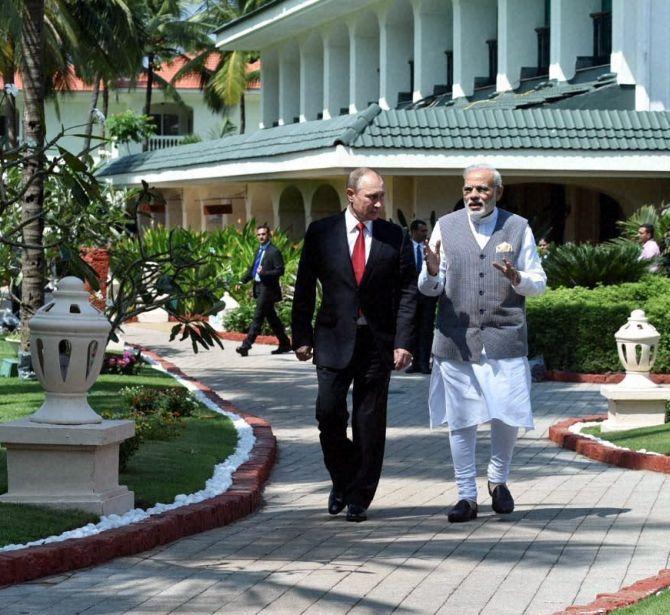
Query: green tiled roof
[(444, 128), (288, 139), (437, 129)]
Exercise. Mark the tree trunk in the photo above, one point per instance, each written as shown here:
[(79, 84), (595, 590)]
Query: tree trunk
[(94, 104), (32, 258), (243, 115), (147, 99), (105, 103)]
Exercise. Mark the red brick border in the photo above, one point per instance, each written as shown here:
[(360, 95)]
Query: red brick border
[(243, 497), (561, 434), (633, 460), (235, 336), (609, 378)]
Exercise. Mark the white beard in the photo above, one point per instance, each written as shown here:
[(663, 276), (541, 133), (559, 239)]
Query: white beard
[(476, 216)]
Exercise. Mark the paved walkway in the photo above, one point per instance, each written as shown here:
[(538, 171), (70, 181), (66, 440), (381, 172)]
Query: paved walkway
[(580, 527)]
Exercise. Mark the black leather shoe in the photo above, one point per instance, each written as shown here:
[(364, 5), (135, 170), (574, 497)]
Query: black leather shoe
[(462, 511), (281, 350), (503, 502), (242, 350), (356, 513), (336, 502)]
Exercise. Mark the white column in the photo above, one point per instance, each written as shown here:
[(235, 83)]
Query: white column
[(571, 35), (653, 91), (433, 35), (335, 71), (311, 78), (363, 62), (289, 84), (395, 51), (474, 24), (517, 39), (624, 38), (270, 88)]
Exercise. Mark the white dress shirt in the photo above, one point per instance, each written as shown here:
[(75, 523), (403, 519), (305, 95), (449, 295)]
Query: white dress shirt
[(351, 223), (463, 393)]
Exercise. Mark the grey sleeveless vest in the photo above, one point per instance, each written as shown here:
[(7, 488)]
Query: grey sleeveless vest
[(479, 308)]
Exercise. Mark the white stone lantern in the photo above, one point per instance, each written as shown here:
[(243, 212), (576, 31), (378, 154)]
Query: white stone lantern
[(67, 342), (65, 455), (636, 401), (637, 343)]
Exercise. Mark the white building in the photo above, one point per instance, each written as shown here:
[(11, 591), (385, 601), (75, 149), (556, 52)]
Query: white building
[(173, 120), (567, 98)]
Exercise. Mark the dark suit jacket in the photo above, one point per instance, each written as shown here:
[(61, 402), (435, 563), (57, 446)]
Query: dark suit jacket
[(387, 295), (272, 268)]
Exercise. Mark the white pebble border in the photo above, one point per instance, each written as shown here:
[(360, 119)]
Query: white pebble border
[(219, 483), (577, 428)]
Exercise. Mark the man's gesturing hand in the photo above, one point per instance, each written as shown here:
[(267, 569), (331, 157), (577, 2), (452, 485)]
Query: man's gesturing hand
[(508, 271), (432, 258), (304, 353), (401, 358)]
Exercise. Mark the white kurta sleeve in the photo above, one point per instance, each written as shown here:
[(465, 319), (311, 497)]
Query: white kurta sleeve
[(433, 285), (533, 278)]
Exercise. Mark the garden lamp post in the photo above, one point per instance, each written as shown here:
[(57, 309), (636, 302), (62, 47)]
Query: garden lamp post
[(636, 401), (65, 455), (67, 343)]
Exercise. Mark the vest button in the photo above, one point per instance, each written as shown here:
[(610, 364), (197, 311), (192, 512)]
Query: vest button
[(482, 327), (482, 256), (481, 292), (481, 274), (481, 311)]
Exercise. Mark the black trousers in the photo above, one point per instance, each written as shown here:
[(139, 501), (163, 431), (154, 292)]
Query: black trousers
[(265, 309), (355, 465), (425, 324)]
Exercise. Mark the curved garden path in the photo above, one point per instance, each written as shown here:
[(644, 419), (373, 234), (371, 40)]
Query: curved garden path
[(581, 527)]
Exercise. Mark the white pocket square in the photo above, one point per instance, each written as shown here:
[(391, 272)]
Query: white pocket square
[(504, 247)]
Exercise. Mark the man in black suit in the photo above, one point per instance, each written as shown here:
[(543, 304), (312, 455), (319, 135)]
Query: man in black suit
[(425, 306), (265, 271), (362, 331)]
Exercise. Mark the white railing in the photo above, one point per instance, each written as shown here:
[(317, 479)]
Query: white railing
[(163, 142)]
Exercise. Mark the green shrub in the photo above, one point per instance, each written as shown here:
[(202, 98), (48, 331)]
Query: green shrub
[(157, 412), (588, 265), (574, 328)]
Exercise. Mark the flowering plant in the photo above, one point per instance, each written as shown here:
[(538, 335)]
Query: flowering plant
[(127, 363)]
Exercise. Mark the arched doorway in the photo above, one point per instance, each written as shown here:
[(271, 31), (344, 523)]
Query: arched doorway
[(325, 202), (292, 213)]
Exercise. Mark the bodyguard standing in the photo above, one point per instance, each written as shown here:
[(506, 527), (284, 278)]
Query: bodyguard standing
[(425, 308), (363, 329), (265, 271)]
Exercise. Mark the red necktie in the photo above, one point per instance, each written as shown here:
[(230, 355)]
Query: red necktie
[(358, 255)]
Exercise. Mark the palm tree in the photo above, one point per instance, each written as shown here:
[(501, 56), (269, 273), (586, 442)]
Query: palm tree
[(32, 261), (226, 84), (168, 34)]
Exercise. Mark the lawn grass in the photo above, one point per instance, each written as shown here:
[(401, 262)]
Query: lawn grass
[(158, 472), (654, 605), (655, 439)]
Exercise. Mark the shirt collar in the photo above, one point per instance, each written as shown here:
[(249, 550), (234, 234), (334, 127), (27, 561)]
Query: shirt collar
[(487, 222), (352, 222)]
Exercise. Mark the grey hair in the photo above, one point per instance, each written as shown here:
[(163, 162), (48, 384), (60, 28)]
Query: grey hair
[(355, 176), (497, 178)]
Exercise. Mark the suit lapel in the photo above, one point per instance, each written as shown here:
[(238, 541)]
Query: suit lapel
[(340, 248)]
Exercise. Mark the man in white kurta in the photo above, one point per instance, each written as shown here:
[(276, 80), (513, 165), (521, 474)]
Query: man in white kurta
[(480, 369)]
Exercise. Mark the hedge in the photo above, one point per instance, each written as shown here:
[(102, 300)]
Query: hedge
[(573, 328)]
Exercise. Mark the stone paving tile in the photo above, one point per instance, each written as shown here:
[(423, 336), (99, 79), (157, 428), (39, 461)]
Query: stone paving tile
[(580, 527)]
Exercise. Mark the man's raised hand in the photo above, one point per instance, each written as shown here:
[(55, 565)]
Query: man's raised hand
[(508, 271), (431, 257)]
